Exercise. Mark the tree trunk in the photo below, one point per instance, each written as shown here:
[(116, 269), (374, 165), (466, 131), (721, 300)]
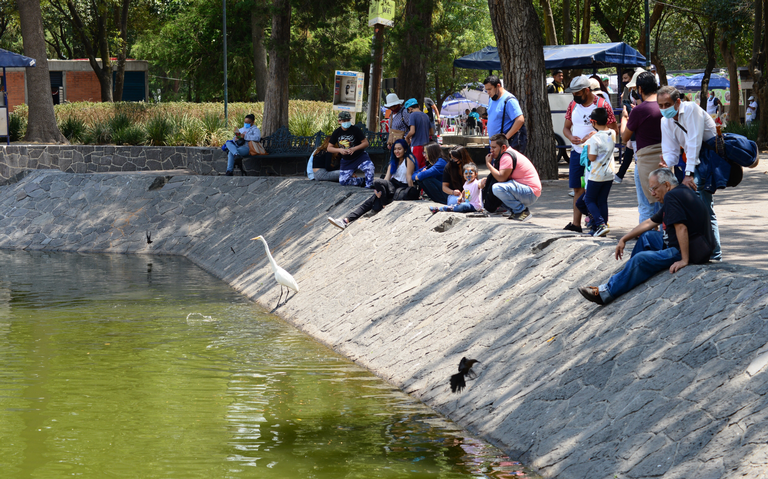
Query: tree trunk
[(276, 102), (122, 52), (41, 126), (567, 33), (260, 71), (709, 46), (661, 70), (658, 9), (517, 30), (587, 22), (412, 74), (727, 50), (613, 34), (760, 85), (549, 23)]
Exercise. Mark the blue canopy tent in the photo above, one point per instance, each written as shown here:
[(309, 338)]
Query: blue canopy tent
[(693, 82), (10, 59), (596, 55)]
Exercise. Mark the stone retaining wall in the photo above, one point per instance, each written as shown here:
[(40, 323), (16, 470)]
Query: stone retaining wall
[(653, 385)]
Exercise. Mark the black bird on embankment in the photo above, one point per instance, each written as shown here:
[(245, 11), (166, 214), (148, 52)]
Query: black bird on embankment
[(465, 369), (149, 237)]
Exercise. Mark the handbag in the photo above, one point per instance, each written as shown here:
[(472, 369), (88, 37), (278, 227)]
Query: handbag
[(255, 148), (239, 142)]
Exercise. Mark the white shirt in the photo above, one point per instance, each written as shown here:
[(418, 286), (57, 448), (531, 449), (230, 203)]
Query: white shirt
[(711, 107), (699, 126), (751, 111), (401, 174), (250, 134), (601, 144)]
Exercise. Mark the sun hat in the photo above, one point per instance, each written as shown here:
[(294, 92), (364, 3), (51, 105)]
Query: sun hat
[(410, 103), (393, 100), (578, 83)]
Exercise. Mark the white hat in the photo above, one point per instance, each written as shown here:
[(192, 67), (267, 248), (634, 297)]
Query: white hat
[(751, 98), (578, 83), (393, 100), (594, 85), (633, 82)]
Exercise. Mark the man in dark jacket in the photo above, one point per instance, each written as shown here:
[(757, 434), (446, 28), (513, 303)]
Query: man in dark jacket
[(686, 239)]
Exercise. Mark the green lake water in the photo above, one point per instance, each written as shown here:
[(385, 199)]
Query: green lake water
[(148, 367)]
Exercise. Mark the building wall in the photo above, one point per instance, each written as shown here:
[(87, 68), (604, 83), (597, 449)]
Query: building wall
[(82, 86), (15, 85)]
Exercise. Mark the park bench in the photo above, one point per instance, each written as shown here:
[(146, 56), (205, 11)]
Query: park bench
[(283, 144)]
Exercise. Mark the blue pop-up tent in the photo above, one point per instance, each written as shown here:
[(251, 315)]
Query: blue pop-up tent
[(8, 60), (596, 55), (693, 82)]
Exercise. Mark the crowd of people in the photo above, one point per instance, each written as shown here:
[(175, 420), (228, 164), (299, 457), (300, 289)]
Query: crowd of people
[(661, 133)]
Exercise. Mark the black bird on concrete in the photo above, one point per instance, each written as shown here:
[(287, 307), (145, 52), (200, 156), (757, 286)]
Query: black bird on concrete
[(465, 369), (233, 250), (149, 237)]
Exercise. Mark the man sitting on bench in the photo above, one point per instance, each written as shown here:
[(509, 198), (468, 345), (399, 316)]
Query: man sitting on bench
[(238, 146)]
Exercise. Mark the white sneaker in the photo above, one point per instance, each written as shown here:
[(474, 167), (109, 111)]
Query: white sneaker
[(602, 230), (337, 223), (571, 193), (616, 180)]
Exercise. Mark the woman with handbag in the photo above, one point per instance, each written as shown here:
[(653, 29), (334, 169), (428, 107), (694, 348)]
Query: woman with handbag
[(397, 185), (238, 146)]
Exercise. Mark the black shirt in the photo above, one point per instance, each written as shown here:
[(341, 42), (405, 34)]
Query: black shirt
[(452, 165), (324, 159), (349, 138), (683, 205)]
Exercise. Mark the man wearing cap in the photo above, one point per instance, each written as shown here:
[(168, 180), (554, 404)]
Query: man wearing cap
[(350, 141), (751, 113), (557, 82), (419, 132), (398, 119), (687, 126), (656, 75), (578, 129), (505, 115)]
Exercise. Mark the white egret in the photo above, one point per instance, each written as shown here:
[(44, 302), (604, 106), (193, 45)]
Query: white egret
[(282, 276)]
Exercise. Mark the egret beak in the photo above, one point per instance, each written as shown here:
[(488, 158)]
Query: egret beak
[(256, 238)]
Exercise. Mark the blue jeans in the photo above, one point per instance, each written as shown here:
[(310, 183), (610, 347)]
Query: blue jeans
[(644, 207), (433, 187), (709, 202), (648, 258), (452, 200), (516, 196), (465, 207), (575, 170), (346, 179), (234, 150), (595, 201)]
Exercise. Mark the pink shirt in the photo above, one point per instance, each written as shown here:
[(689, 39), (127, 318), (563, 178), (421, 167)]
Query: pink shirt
[(524, 173), (473, 194)]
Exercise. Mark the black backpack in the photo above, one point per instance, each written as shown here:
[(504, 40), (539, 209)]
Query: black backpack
[(490, 201)]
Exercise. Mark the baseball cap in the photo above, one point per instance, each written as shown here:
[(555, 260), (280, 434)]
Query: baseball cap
[(410, 103), (344, 115), (578, 83)]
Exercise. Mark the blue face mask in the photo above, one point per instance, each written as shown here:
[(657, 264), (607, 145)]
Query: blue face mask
[(346, 124), (246, 125), (669, 112)]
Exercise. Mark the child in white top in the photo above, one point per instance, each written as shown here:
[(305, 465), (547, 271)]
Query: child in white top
[(471, 198), (599, 150)]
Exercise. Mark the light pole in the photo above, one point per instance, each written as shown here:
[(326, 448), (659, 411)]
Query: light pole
[(647, 36), (224, 6)]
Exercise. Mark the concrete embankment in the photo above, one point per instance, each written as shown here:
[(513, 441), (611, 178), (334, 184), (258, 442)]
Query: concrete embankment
[(655, 384)]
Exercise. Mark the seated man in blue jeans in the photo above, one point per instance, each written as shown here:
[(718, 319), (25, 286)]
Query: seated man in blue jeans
[(687, 239), (238, 146)]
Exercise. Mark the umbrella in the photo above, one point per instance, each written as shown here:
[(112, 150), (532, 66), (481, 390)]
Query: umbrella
[(454, 108), (476, 93)]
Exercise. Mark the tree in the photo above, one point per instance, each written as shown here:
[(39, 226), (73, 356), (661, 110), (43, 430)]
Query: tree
[(757, 67), (276, 103), (521, 51), (415, 28), (41, 126), (258, 23)]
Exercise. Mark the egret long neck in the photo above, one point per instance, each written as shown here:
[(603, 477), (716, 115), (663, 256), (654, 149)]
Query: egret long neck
[(269, 255)]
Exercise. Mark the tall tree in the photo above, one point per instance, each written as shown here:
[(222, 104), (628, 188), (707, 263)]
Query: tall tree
[(122, 49), (549, 23), (41, 126), (276, 103), (567, 32), (519, 41), (757, 67), (416, 28), (260, 73)]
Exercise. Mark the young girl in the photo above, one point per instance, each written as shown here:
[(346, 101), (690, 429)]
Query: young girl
[(453, 174), (471, 198), (396, 185)]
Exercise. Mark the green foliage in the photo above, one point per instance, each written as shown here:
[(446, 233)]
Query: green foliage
[(130, 135), (188, 131), (212, 122), (17, 127), (73, 129), (98, 133), (119, 122), (159, 129), (750, 131), (302, 124)]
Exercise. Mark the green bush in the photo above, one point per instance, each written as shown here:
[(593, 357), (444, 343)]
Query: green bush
[(130, 135), (17, 127), (159, 130), (302, 123), (212, 122), (188, 131), (98, 134), (73, 129), (119, 121), (750, 131)]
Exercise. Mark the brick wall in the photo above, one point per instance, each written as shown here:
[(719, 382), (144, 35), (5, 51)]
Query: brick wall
[(15, 89), (82, 86)]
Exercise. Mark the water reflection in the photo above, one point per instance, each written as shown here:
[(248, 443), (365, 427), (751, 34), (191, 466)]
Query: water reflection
[(135, 367)]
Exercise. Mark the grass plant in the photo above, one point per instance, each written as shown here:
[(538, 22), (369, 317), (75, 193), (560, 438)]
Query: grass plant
[(74, 129)]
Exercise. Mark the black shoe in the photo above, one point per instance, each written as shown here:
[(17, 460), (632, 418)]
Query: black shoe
[(573, 227), (591, 293), (229, 173), (524, 215)]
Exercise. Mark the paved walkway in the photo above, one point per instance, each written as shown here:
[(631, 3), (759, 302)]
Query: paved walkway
[(742, 212)]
